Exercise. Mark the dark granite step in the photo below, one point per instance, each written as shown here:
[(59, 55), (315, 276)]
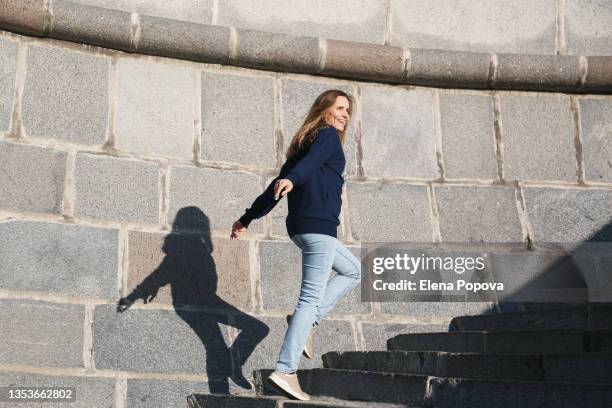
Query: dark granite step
[(435, 392), (589, 368), (512, 342), (583, 318), (234, 401)]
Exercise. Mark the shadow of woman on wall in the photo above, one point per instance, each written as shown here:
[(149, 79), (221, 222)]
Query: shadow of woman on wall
[(189, 268)]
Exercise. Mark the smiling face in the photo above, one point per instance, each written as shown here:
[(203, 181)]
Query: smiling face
[(338, 115)]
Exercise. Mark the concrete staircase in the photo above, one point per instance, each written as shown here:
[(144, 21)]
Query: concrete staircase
[(549, 358)]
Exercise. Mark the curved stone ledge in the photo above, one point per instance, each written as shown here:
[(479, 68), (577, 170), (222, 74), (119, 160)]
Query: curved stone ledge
[(136, 33)]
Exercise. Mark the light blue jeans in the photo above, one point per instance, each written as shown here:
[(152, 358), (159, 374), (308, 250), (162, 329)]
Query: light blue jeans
[(320, 253)]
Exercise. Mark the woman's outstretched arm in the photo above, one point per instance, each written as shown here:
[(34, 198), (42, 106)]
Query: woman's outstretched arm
[(266, 201)]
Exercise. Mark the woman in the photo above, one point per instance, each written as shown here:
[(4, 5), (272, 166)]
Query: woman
[(312, 178)]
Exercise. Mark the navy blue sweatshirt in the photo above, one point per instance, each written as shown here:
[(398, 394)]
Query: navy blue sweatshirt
[(317, 175)]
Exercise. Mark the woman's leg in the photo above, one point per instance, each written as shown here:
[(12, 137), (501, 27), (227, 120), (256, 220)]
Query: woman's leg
[(318, 252), (348, 275)]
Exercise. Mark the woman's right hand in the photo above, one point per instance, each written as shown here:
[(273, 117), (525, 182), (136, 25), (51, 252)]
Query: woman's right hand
[(238, 230), (282, 188)]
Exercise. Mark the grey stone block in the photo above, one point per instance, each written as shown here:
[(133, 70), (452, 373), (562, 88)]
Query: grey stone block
[(117, 189), (596, 127), (297, 98), (398, 132), (599, 74), (155, 108), (376, 335), (90, 391), (185, 341), (8, 68), (364, 21), (26, 16), (403, 215), (537, 72), (184, 40), (92, 25), (470, 25), (44, 180), (448, 68), (41, 333), (145, 393), (569, 215), (364, 61), (238, 119), (258, 49), (190, 269), (195, 11), (59, 258), (478, 214), (587, 27), (468, 136), (537, 137), (222, 197), (65, 95)]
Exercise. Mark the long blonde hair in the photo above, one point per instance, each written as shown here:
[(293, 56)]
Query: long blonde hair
[(315, 119)]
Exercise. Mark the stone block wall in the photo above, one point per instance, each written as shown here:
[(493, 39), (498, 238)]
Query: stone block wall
[(122, 174)]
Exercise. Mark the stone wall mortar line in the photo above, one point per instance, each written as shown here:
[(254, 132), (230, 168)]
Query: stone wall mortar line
[(121, 391), (48, 17), (358, 133), (577, 131), (560, 45), (436, 234), (437, 128), (88, 321), (113, 95), (521, 208), (255, 276), (114, 374), (498, 134), (388, 23), (165, 176), (123, 264), (69, 196), (197, 116), (215, 12), (233, 51), (135, 30), (492, 73), (376, 317), (322, 54), (16, 120), (359, 338), (583, 63)]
